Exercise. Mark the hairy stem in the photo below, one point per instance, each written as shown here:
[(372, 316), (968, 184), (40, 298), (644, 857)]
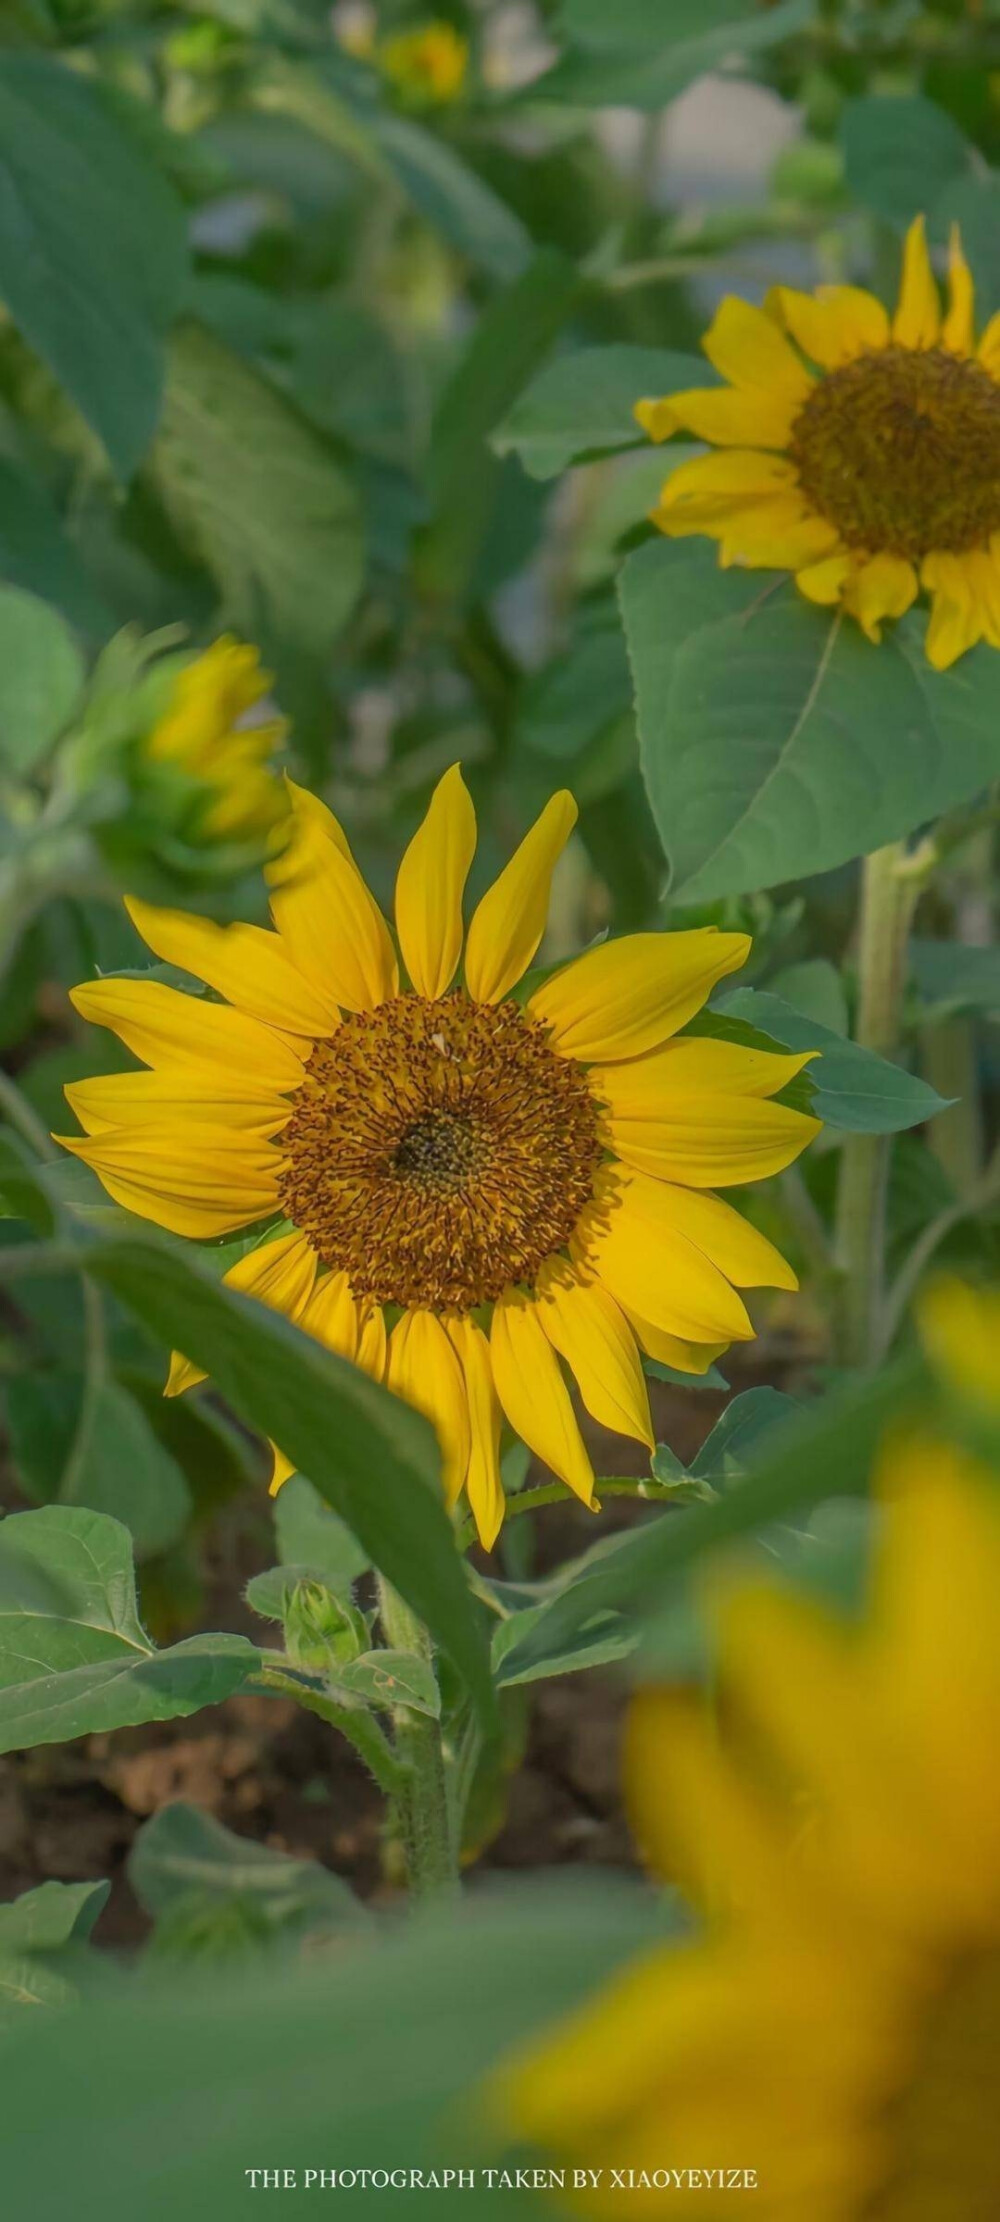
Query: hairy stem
[(888, 898), (422, 1805)]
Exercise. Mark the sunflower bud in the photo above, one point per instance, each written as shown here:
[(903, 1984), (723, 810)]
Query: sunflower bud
[(322, 1631)]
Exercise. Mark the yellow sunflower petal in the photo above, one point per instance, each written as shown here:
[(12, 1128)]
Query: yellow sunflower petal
[(824, 582), (988, 350), (636, 1242), (588, 1329), (627, 996), (280, 1274), (331, 1315), (373, 1342), (833, 325), (917, 322), (711, 1141), (510, 921), (307, 808), (430, 886), (744, 1255), (425, 1371), (192, 1180), (960, 1330), (959, 328), (247, 965), (698, 1816), (779, 536), (694, 1064), (960, 612), (534, 1395), (656, 419), (183, 1092), (331, 925), (747, 347), (162, 1025), (729, 416), (670, 1350), (282, 1470), (885, 586), (708, 491), (483, 1483)]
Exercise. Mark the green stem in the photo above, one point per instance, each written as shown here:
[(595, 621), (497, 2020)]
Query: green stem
[(16, 1109), (889, 895), (359, 1727), (422, 1807), (606, 1485)]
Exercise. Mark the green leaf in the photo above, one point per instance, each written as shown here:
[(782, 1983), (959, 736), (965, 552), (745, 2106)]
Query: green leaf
[(465, 478), (87, 1664), (322, 2060), (527, 1649), (258, 497), (657, 24), (117, 1466), (828, 1558), (310, 1534), (953, 978), (900, 153), (452, 199), (22, 1195), (853, 1088), (374, 1459), (92, 247), (826, 1451), (736, 1439), (816, 988), (41, 678), (581, 692), (37, 554), (775, 740), (386, 1678), (649, 77), (49, 1918), (581, 405), (183, 1850)]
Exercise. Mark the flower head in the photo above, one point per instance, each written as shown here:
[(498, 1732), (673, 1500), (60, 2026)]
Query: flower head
[(208, 734), (837, 2026), (428, 65), (464, 1190), (859, 452)]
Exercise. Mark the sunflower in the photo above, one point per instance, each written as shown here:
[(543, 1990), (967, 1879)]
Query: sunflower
[(836, 2029), (862, 454), (464, 1190), (208, 733), (427, 65)]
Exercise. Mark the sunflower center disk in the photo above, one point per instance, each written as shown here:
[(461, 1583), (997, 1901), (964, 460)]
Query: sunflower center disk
[(944, 2127), (901, 451), (437, 1152)]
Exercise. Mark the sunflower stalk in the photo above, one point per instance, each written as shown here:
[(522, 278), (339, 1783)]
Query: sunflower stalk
[(890, 889), (420, 1805)]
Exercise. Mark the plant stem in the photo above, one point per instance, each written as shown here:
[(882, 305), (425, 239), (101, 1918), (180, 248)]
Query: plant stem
[(889, 895), (648, 1490), (422, 1806)]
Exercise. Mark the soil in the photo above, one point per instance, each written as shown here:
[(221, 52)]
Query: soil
[(269, 1771)]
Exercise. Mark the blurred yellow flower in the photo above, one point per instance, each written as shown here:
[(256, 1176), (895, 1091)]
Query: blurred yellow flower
[(427, 65), (836, 2029), (469, 1190), (859, 452), (208, 732)]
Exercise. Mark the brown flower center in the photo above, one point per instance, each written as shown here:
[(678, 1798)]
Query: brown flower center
[(438, 1151), (944, 2124), (901, 451)]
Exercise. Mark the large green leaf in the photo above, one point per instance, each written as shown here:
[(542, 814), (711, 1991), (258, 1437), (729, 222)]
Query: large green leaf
[(647, 23), (452, 198), (377, 2058), (648, 76), (92, 247), (582, 404), (183, 1854), (87, 1664), (901, 153), (954, 977), (258, 497), (99, 1451), (49, 1918), (374, 1459), (852, 1088), (776, 741), (36, 553), (41, 676)]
